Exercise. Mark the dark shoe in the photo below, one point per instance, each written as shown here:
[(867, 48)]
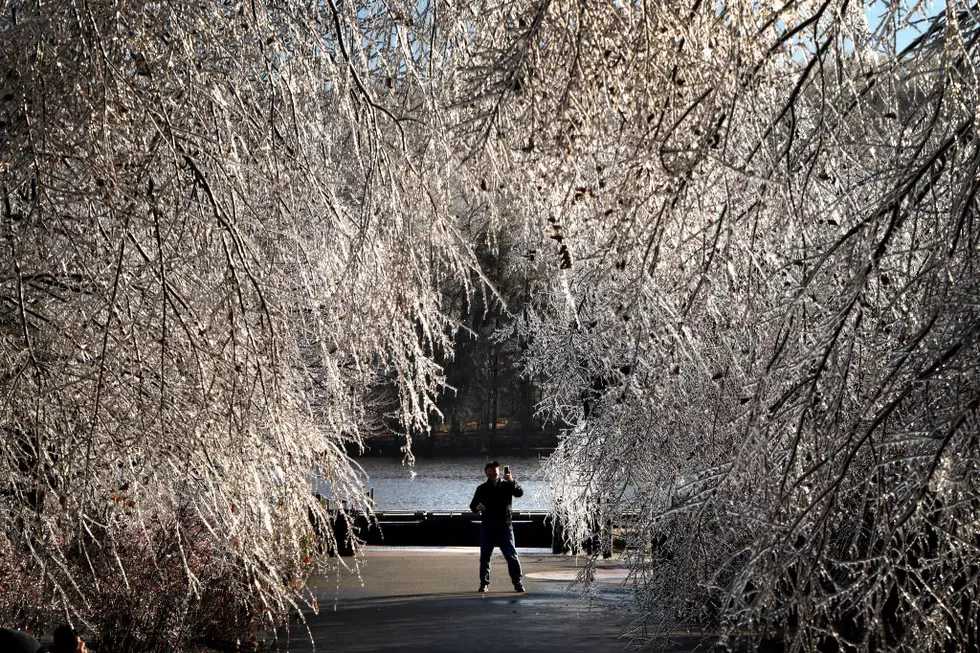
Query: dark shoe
[(484, 588), (519, 588)]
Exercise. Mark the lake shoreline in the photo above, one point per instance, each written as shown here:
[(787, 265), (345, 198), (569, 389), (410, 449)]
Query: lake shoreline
[(464, 445)]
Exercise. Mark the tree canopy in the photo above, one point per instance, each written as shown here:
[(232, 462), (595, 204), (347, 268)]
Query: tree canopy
[(746, 234)]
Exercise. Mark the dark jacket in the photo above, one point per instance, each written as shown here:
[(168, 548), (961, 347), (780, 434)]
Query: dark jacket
[(496, 499), (15, 641)]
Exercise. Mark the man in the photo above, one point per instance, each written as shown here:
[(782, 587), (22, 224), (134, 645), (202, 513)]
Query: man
[(492, 500)]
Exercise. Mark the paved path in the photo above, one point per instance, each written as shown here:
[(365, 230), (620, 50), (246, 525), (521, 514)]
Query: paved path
[(425, 600)]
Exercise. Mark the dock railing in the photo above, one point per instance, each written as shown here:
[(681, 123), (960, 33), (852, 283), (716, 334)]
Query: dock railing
[(455, 528)]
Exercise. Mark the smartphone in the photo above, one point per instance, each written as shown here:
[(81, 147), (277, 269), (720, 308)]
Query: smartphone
[(506, 470)]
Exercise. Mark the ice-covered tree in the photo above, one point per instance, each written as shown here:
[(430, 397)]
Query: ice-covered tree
[(758, 227), (223, 227)]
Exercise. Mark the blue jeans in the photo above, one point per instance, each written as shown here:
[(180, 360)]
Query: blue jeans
[(503, 537)]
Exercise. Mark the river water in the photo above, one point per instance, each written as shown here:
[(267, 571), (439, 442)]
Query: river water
[(448, 483)]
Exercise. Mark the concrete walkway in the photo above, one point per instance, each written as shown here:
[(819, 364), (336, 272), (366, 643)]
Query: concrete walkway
[(425, 600)]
